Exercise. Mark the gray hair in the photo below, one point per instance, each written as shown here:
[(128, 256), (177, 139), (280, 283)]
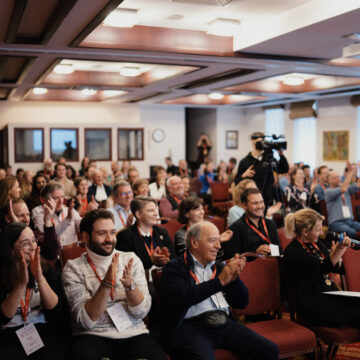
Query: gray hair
[(194, 232), (50, 188), (119, 184), (168, 181)]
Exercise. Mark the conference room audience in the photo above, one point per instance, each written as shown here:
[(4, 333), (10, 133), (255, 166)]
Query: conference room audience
[(169, 206), (84, 164), (98, 189), (26, 184), (83, 202), (31, 297), (133, 175), (297, 194)]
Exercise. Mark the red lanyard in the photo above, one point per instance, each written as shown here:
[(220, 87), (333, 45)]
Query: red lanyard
[(62, 215), (176, 199), (151, 250), (267, 239), (121, 218), (323, 187), (84, 204), (192, 273), (98, 277), (25, 307), (308, 250)]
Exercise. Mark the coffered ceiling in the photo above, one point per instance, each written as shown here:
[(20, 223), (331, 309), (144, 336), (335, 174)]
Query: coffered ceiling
[(280, 51)]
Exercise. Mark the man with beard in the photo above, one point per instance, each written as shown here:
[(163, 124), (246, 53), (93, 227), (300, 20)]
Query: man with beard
[(108, 296), (252, 232)]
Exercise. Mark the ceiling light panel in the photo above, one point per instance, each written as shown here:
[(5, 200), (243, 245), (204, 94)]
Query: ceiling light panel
[(122, 18), (224, 27)]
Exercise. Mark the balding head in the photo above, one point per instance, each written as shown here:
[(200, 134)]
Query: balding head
[(98, 178), (175, 186)]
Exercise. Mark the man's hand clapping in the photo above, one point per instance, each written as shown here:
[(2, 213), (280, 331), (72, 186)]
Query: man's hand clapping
[(232, 269)]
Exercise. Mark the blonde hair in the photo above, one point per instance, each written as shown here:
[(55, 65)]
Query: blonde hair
[(239, 189), (300, 220)]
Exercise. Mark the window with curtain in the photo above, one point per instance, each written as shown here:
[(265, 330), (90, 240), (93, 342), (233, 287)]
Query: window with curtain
[(274, 124), (305, 141)]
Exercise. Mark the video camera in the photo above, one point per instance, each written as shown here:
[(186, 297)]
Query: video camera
[(274, 144)]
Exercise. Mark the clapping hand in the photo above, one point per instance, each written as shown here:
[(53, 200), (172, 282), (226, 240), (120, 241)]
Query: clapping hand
[(35, 265), (225, 236), (111, 272), (127, 278), (13, 217), (158, 257), (92, 205)]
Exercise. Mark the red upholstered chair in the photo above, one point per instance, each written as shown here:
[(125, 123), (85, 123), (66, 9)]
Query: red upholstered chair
[(284, 240), (323, 211), (220, 196), (68, 252), (218, 221), (262, 278), (351, 261), (220, 354), (195, 185), (172, 226)]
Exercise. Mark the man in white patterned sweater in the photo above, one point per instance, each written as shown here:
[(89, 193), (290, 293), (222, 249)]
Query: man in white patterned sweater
[(108, 297)]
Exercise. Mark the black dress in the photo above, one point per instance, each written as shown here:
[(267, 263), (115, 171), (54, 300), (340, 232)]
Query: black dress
[(307, 273)]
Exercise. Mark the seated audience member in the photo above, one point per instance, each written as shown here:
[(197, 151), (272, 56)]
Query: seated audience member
[(107, 178), (20, 175), (60, 177), (108, 296), (171, 169), (231, 169), (186, 181), (8, 170), (116, 172), (183, 169), (125, 169), (191, 211), (47, 170), (82, 201), (236, 211), (149, 242), (338, 203), (169, 206), (30, 293), (133, 175), (70, 172), (98, 189), (207, 177), (252, 232), (307, 175), (141, 187), (84, 164), (26, 184), (17, 211), (9, 190), (34, 199), (320, 188), (197, 294), (122, 195), (65, 218), (297, 195), (308, 263), (2, 173), (157, 189)]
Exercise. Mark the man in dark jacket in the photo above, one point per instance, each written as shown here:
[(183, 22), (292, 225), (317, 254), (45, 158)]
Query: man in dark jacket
[(98, 189), (197, 293)]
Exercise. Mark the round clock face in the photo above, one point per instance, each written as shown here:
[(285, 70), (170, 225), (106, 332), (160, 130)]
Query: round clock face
[(158, 135)]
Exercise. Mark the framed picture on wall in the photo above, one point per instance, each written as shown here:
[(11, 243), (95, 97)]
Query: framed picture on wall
[(131, 144), (335, 145), (231, 139), (98, 144), (64, 143), (29, 145)]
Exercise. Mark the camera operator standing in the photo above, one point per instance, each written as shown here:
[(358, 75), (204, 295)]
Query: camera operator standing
[(260, 164)]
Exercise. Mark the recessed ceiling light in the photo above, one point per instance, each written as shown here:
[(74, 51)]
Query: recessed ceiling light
[(224, 27), (121, 18), (40, 91), (88, 92), (216, 96), (63, 69), (130, 71), (293, 81), (111, 93)]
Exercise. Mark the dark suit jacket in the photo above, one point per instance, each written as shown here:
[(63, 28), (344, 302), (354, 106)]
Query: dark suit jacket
[(130, 240), (92, 191), (180, 292)]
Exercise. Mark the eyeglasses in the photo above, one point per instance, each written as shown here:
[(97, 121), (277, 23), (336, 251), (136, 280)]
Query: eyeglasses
[(126, 193), (28, 243)]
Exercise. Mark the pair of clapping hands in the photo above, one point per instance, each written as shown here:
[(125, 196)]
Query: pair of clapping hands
[(110, 275), (232, 269), (160, 256)]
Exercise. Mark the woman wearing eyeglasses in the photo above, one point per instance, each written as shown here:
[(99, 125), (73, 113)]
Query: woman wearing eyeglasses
[(31, 301)]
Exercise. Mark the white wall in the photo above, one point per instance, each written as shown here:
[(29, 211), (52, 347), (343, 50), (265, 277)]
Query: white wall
[(78, 115)]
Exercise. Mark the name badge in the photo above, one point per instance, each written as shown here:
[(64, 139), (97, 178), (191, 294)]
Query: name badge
[(346, 211), (119, 316), (29, 338), (303, 196), (274, 249)]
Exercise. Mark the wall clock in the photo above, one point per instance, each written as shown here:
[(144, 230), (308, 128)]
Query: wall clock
[(158, 135)]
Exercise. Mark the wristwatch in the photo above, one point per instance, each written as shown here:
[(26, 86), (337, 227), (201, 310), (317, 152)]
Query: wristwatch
[(131, 287)]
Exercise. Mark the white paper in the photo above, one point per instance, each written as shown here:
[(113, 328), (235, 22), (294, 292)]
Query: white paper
[(274, 249), (343, 293), (346, 211), (119, 316), (29, 338), (303, 196)]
